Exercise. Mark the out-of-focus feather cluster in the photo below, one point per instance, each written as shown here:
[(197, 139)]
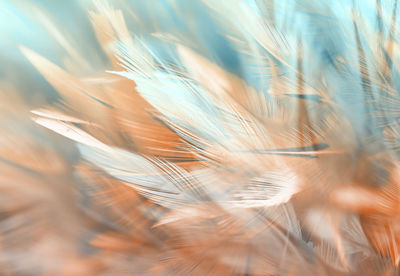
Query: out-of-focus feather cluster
[(206, 137)]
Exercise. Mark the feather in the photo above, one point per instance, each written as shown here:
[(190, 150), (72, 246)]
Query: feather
[(204, 137)]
